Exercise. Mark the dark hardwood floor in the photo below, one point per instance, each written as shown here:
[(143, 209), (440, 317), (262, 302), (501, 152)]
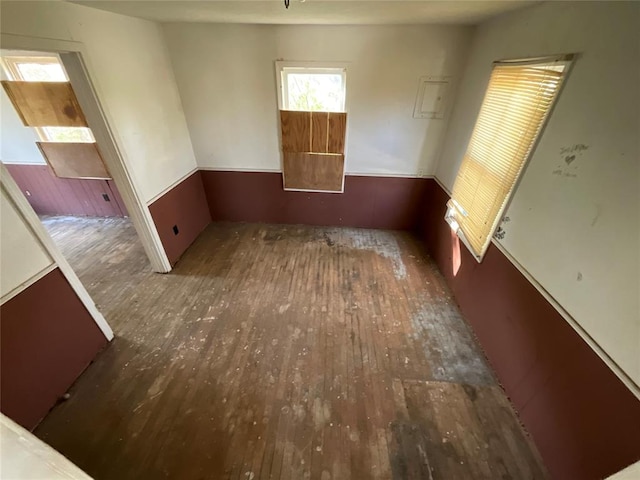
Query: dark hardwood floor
[(281, 352)]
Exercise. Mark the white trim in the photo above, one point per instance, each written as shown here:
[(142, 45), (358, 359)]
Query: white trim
[(240, 169), (314, 191), (346, 174), (620, 373), (74, 58), (33, 222), (14, 162), (442, 185), (559, 58), (172, 186), (28, 282), (386, 174)]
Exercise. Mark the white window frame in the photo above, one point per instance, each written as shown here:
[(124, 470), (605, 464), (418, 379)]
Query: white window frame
[(10, 65), (284, 67)]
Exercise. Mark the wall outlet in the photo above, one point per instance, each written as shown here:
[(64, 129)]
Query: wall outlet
[(175, 230)]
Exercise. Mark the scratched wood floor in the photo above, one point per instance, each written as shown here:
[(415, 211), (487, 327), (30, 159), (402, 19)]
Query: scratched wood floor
[(281, 352)]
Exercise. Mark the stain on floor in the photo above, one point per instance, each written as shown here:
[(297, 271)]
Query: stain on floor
[(282, 352)]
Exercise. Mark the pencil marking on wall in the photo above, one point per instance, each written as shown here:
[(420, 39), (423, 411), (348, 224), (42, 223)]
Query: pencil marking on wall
[(597, 215), (579, 277), (501, 232), (578, 147), (569, 154)]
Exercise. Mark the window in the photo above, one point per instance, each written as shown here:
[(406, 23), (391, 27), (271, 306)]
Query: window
[(514, 110), (311, 88), (45, 69)]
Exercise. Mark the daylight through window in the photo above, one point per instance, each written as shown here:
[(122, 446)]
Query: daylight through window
[(312, 89), (45, 69), (515, 107)]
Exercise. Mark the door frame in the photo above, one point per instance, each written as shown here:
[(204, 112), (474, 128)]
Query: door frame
[(74, 57), (22, 206)]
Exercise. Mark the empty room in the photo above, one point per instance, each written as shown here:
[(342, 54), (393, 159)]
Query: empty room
[(320, 240)]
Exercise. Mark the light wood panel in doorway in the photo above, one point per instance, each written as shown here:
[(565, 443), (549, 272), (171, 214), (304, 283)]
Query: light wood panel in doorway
[(45, 104)]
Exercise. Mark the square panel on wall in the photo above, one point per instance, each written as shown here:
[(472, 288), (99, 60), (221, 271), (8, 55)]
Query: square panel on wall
[(432, 97)]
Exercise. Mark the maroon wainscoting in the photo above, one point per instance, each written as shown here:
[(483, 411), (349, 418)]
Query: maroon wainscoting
[(368, 202), (51, 195), (584, 421), (47, 338), (184, 206)]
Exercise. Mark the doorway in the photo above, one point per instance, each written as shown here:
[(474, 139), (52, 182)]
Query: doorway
[(62, 171)]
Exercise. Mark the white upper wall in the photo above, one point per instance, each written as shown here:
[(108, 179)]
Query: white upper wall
[(130, 68), (227, 81), (17, 142), (574, 222), (22, 256)]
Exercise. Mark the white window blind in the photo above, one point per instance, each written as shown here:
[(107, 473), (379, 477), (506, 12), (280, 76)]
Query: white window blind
[(516, 105)]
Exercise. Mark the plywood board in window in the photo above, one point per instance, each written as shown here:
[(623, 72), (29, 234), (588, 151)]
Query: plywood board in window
[(296, 131), (319, 132), (45, 104), (313, 171), (337, 132), (74, 160)]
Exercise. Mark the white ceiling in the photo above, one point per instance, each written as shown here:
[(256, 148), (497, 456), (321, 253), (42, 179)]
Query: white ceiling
[(321, 12)]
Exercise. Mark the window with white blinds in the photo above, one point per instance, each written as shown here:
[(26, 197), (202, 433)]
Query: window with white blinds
[(515, 108)]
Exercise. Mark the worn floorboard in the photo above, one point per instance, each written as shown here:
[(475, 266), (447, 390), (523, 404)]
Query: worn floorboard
[(281, 352)]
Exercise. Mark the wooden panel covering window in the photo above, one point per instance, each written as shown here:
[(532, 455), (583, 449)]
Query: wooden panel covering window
[(320, 132), (313, 150), (296, 131), (313, 171), (45, 104), (515, 108), (74, 160)]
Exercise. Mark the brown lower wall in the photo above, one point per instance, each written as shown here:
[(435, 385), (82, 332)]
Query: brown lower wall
[(47, 338), (584, 421), (51, 195), (184, 206), (368, 202)]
